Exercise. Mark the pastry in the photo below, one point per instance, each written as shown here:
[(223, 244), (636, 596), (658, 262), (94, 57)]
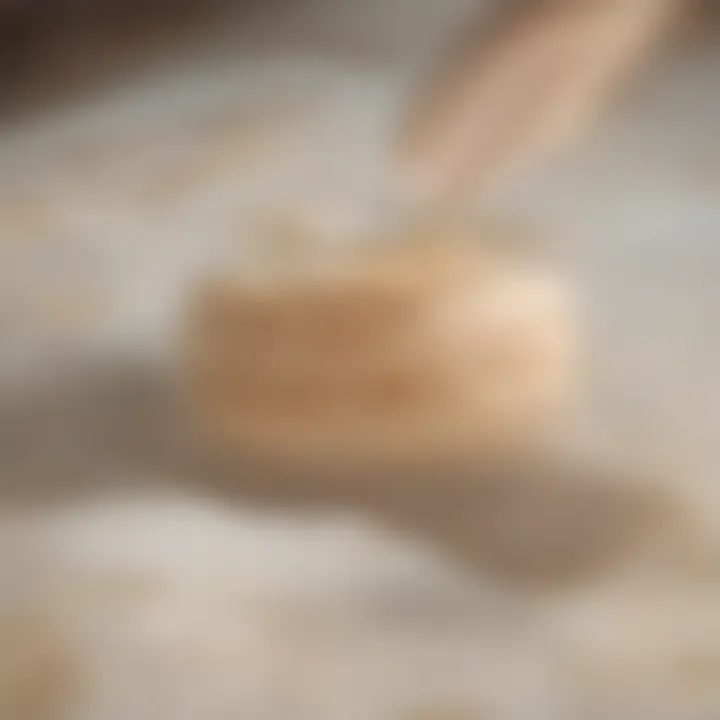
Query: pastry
[(407, 349)]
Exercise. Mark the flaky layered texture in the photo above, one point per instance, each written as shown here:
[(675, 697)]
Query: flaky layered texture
[(415, 348)]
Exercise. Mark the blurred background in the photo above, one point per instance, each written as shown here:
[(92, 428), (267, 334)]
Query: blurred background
[(144, 143)]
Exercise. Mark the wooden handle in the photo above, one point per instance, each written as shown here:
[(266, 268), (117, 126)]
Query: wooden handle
[(522, 89)]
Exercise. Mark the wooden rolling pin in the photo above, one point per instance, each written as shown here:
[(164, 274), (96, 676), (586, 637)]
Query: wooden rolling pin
[(522, 87)]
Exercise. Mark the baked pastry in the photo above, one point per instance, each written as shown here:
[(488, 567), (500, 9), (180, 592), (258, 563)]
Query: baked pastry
[(409, 349)]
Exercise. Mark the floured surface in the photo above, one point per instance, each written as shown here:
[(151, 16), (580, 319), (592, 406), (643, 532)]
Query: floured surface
[(169, 608), (174, 606), (109, 208)]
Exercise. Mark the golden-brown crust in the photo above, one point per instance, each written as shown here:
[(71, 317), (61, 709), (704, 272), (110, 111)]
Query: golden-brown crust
[(400, 352)]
